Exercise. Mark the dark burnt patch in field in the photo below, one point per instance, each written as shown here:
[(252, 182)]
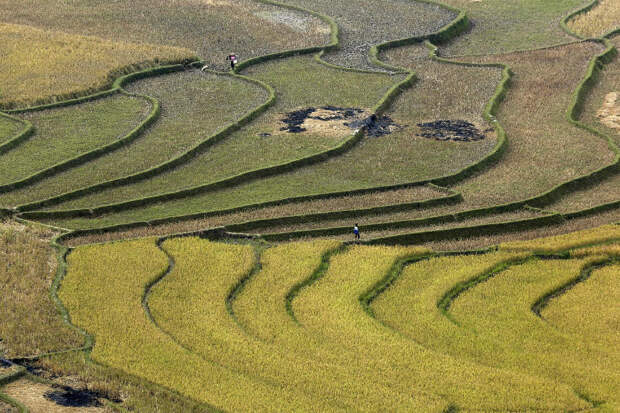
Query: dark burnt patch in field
[(450, 130), (337, 119), (295, 120), (70, 397), (376, 126)]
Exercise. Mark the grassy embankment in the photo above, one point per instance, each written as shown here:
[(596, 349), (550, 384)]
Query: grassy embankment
[(191, 111), (538, 134), (65, 133)]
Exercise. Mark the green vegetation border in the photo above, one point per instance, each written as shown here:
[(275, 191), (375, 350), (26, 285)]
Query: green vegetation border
[(152, 116), (171, 163), (21, 136), (347, 213), (388, 225), (581, 10)]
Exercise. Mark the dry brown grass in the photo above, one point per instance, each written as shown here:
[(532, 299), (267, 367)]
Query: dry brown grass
[(600, 20), (298, 208), (533, 115), (39, 66), (30, 322)]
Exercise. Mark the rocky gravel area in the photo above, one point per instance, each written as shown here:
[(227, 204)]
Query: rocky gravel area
[(365, 23)]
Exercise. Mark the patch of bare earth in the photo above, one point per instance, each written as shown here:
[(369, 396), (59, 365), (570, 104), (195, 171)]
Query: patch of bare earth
[(43, 398), (609, 113)]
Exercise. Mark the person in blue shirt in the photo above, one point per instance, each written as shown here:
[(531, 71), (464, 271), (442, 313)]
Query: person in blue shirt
[(356, 231)]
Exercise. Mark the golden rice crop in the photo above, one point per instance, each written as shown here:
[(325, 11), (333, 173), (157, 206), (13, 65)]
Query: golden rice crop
[(103, 291), (598, 21), (500, 312), (589, 309), (331, 310), (190, 304), (563, 242), (608, 250), (40, 66)]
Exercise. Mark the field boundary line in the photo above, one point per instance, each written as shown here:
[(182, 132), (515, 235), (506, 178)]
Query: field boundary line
[(85, 157), (388, 280), (172, 163), (21, 136), (443, 219), (444, 303), (317, 274), (571, 15), (586, 271)]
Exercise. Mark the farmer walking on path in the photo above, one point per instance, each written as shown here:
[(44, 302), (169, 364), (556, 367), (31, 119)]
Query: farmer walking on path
[(356, 231), (233, 60)]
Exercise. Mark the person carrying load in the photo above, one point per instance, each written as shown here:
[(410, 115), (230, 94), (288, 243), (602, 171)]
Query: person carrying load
[(233, 60)]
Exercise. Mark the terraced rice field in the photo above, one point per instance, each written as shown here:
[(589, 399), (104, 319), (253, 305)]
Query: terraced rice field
[(177, 235)]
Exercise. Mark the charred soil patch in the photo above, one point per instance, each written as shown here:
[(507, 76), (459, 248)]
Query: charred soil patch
[(451, 130), (337, 120), (70, 397)]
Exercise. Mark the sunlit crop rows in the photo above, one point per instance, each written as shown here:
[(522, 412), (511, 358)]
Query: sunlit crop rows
[(323, 325)]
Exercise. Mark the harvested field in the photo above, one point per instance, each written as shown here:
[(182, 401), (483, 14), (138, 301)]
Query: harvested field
[(599, 193), (211, 29), (477, 242), (598, 21), (300, 82), (30, 321), (396, 158), (191, 111), (503, 26), (375, 199), (533, 114), (572, 240), (598, 107), (65, 133), (364, 24), (41, 66), (609, 113)]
